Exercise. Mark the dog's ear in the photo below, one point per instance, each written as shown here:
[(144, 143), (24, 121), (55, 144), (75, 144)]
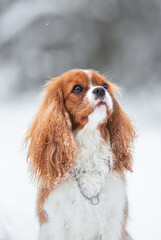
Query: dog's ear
[(122, 135), (52, 145)]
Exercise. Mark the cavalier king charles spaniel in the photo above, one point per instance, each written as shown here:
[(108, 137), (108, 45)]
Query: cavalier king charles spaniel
[(80, 146)]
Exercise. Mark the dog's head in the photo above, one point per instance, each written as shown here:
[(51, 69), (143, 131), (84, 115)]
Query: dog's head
[(71, 101)]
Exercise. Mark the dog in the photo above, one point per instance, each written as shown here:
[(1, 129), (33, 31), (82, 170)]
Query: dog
[(80, 145)]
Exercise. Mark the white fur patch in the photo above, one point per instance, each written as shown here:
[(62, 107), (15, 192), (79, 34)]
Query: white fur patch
[(97, 116), (89, 75), (93, 151), (70, 215)]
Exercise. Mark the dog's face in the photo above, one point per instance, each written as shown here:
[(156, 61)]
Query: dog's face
[(86, 92)]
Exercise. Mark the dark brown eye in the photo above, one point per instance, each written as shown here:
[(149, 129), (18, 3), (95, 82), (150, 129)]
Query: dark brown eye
[(105, 86), (77, 89)]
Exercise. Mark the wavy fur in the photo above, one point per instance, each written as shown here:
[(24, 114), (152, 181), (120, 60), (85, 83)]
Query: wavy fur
[(52, 145)]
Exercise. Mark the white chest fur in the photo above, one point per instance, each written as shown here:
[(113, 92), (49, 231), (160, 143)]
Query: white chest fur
[(70, 215)]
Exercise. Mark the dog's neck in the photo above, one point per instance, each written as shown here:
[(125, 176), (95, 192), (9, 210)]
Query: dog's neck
[(94, 154), (93, 162)]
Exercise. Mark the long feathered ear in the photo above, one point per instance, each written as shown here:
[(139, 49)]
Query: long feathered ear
[(122, 135), (52, 145)]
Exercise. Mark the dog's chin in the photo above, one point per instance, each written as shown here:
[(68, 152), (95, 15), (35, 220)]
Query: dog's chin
[(101, 105), (101, 108)]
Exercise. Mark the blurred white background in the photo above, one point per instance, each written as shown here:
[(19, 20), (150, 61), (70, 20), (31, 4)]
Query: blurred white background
[(41, 39)]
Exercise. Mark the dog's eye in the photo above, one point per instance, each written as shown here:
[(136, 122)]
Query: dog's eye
[(105, 86), (77, 89)]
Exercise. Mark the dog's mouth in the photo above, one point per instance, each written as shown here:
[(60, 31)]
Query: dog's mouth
[(101, 103)]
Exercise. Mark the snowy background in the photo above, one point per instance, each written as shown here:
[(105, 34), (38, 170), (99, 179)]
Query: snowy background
[(40, 39)]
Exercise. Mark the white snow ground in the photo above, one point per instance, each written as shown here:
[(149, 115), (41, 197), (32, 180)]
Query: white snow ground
[(18, 194)]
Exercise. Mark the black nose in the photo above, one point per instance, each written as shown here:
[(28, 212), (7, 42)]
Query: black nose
[(99, 92)]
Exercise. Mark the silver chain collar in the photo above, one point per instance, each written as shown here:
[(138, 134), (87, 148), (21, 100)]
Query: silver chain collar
[(94, 199)]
